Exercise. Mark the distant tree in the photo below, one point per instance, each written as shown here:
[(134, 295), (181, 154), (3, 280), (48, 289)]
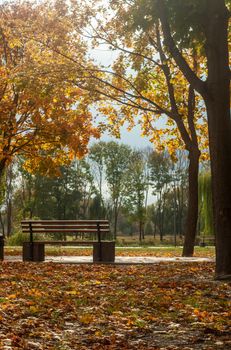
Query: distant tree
[(96, 210), (96, 160), (160, 179), (117, 161), (179, 189), (65, 197), (137, 183)]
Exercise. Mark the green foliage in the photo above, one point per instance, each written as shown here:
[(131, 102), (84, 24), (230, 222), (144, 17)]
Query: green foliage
[(205, 204), (96, 209), (96, 160), (60, 197), (112, 182), (19, 237), (160, 170), (186, 18)]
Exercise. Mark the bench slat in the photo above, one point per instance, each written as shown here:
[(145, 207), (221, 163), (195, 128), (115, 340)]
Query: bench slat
[(64, 221), (43, 230), (66, 242), (76, 227)]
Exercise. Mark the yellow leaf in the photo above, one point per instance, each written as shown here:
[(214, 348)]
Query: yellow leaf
[(72, 292), (97, 333), (12, 296), (33, 309), (86, 318)]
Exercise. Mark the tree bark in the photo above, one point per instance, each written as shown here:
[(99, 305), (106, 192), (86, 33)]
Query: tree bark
[(2, 225), (116, 212), (9, 180), (160, 216), (2, 168), (192, 212), (140, 230), (9, 217), (219, 123)]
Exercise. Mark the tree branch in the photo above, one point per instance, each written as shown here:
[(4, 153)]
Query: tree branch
[(192, 78)]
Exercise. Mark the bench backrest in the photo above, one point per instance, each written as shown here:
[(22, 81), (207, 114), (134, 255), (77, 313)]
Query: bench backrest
[(98, 227)]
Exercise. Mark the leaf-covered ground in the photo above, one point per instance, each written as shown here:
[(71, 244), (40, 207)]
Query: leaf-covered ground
[(162, 306)]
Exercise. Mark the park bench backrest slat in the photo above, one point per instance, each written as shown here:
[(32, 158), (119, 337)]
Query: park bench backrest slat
[(49, 230), (77, 227), (65, 222), (65, 226)]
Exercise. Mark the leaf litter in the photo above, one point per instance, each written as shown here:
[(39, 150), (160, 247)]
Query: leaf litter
[(162, 306)]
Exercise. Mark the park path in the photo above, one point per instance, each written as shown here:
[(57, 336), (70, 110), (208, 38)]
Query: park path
[(118, 260)]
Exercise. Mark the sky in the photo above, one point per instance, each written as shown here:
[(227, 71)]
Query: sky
[(133, 138)]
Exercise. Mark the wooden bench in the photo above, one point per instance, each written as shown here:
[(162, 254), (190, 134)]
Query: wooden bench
[(33, 250)]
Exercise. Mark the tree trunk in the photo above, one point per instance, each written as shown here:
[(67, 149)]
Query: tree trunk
[(160, 216), (9, 180), (192, 212), (174, 212), (181, 211), (115, 219), (219, 122), (140, 230), (9, 217), (2, 225), (2, 168)]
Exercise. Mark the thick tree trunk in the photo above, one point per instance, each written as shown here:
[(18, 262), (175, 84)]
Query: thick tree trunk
[(219, 122), (2, 168), (192, 213)]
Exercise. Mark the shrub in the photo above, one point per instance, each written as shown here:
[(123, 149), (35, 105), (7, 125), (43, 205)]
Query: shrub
[(19, 237)]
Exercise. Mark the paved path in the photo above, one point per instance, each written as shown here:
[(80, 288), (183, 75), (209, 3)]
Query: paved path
[(118, 260)]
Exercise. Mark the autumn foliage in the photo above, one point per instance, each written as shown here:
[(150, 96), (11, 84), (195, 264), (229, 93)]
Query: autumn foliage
[(43, 115)]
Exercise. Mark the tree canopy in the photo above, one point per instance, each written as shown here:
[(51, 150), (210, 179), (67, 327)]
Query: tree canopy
[(43, 115)]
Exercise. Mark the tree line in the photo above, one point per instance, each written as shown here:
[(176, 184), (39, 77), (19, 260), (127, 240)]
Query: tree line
[(140, 191)]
